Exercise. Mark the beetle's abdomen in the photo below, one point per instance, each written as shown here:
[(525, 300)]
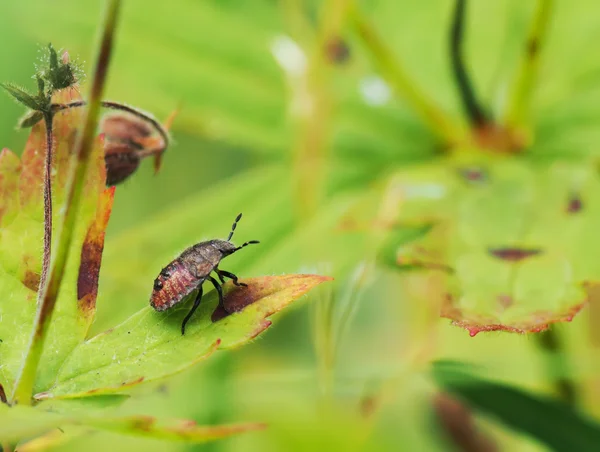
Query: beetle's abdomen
[(172, 284)]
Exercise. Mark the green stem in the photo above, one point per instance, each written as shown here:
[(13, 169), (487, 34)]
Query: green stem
[(77, 171), (311, 147), (557, 367), (519, 103), (393, 71)]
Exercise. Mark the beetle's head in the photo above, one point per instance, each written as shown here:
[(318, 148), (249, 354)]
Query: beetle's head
[(224, 246)]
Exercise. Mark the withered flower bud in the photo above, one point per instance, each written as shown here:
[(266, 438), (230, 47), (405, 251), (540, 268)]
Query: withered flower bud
[(125, 128), (121, 162), (128, 140)]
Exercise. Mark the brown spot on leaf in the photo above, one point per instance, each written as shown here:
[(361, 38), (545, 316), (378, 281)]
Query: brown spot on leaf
[(575, 204), (505, 301), (31, 280), (532, 48), (514, 254), (132, 382), (3, 395), (91, 254), (368, 405), (337, 50), (474, 174), (237, 298), (143, 423)]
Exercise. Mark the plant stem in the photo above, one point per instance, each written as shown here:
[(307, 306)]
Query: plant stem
[(48, 119), (519, 103), (393, 71), (557, 366), (311, 146), (473, 108), (77, 172)]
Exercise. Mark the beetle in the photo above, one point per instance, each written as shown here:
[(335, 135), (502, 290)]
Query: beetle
[(191, 269)]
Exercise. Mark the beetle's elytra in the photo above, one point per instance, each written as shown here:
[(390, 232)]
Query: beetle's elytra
[(189, 271)]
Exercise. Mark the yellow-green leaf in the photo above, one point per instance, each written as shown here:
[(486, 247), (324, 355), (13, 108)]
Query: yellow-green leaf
[(149, 345)]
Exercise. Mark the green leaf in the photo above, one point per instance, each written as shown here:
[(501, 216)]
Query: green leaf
[(174, 430), (22, 96), (20, 422), (513, 247), (21, 237), (552, 422), (149, 345)]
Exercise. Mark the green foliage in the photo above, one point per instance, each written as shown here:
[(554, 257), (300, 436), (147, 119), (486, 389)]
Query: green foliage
[(22, 223), (52, 75), (22, 96), (512, 244), (148, 348), (149, 345), (382, 179), (20, 422), (520, 410)]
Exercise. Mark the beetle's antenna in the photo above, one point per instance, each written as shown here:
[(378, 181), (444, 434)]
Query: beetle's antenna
[(233, 226), (251, 242)]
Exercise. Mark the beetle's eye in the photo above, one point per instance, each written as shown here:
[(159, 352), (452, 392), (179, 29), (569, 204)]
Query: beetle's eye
[(157, 284)]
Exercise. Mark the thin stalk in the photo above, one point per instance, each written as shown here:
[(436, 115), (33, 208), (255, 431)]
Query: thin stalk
[(473, 108), (311, 148), (395, 74), (550, 341), (77, 171), (48, 119), (520, 98)]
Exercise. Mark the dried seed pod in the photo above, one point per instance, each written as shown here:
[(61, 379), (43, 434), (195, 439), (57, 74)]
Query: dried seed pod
[(121, 162), (125, 128), (129, 138)]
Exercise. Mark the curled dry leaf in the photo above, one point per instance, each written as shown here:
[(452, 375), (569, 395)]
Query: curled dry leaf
[(21, 237), (149, 345), (508, 253)]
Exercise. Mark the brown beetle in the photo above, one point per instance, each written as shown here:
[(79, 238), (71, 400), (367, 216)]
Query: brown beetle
[(191, 269)]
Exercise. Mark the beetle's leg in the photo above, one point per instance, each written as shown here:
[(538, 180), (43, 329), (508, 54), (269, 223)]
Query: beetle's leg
[(219, 291), (232, 276), (218, 272), (196, 304)]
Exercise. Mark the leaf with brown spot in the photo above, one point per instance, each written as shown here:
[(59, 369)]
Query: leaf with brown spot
[(91, 255), (149, 344), (21, 245), (519, 259)]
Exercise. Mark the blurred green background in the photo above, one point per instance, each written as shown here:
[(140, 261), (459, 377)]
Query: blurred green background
[(271, 128)]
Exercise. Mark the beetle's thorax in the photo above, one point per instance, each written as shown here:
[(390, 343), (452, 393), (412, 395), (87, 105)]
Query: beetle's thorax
[(205, 256)]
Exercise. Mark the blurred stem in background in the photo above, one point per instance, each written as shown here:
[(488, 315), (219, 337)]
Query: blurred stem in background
[(475, 112), (519, 104), (393, 71), (313, 115)]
